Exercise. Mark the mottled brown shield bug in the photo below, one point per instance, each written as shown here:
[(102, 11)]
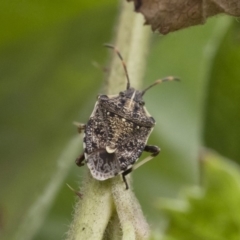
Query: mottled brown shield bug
[(117, 132)]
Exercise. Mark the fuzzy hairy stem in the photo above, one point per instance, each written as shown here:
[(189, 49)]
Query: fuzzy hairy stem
[(92, 213), (106, 205)]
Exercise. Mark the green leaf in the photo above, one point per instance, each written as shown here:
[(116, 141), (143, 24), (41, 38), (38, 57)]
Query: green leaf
[(211, 212), (21, 18), (222, 115)]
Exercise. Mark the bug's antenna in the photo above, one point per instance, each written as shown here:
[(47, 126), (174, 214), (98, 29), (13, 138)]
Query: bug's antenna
[(166, 79), (123, 63)]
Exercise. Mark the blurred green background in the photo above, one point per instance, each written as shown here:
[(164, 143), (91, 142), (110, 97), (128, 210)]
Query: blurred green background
[(48, 81)]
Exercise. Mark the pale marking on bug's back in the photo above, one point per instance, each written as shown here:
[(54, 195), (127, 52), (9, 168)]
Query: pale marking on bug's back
[(110, 150)]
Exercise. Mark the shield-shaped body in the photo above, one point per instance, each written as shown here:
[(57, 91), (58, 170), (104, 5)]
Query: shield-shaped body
[(116, 133)]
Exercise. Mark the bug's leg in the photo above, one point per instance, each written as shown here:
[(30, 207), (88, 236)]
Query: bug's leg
[(124, 176), (155, 150), (80, 159), (81, 127)]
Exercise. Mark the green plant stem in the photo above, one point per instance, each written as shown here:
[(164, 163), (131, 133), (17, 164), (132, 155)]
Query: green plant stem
[(101, 200), (92, 213)]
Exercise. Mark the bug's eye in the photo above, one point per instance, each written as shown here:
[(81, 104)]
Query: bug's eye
[(121, 94), (142, 103), (103, 96)]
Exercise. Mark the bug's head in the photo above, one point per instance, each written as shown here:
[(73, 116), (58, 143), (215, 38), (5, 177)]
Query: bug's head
[(133, 95)]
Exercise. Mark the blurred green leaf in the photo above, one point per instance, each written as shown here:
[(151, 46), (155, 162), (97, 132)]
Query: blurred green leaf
[(222, 115), (20, 18), (211, 212)]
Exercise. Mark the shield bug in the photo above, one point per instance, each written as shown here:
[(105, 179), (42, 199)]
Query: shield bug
[(117, 131)]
